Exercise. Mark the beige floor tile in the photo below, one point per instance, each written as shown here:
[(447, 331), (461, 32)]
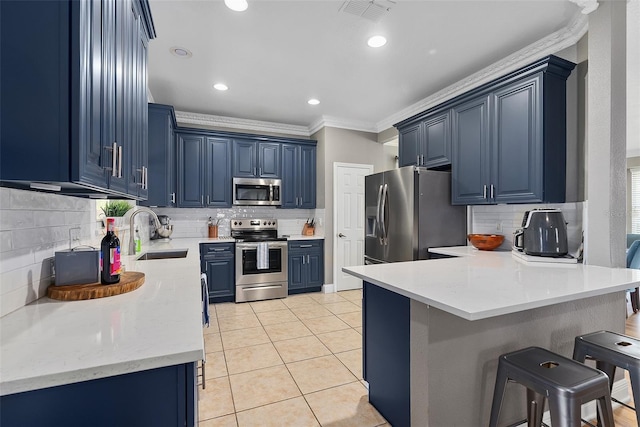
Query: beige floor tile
[(339, 341), (311, 311), (262, 387), (353, 360), (301, 349), (232, 309), (287, 331), (216, 366), (327, 298), (244, 337), (215, 400), (251, 358), (232, 323), (278, 316), (294, 412), (353, 319), (212, 343), (358, 330), (357, 302), (355, 294), (268, 305), (319, 373), (213, 327), (299, 301), (342, 307), (319, 325), (344, 406), (226, 421)]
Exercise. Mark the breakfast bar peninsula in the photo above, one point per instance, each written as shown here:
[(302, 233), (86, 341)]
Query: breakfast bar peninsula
[(433, 329)]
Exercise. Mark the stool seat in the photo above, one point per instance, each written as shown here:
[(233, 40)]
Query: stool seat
[(611, 350), (566, 383)]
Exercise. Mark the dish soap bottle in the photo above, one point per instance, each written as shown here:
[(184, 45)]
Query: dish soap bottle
[(138, 241), (110, 255)]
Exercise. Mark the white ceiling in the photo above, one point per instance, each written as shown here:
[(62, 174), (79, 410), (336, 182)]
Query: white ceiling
[(278, 54)]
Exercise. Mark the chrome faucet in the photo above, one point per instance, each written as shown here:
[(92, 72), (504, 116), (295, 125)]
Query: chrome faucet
[(134, 212)]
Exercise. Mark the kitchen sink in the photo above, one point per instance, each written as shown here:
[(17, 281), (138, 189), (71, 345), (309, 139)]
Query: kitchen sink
[(179, 253)]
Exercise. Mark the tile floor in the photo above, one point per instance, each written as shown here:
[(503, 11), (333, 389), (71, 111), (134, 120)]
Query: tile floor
[(291, 362)]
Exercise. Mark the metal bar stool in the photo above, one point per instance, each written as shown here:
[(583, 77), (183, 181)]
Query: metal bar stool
[(609, 350), (566, 383)]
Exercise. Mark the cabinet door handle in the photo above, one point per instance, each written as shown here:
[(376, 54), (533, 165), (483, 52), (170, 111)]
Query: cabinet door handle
[(418, 160), (305, 246), (120, 161), (146, 177), (202, 200), (207, 199), (492, 191), (308, 259), (303, 257), (484, 191), (254, 171), (260, 170), (422, 161), (114, 159), (173, 197)]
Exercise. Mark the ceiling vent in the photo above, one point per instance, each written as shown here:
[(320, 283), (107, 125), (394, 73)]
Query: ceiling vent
[(373, 10)]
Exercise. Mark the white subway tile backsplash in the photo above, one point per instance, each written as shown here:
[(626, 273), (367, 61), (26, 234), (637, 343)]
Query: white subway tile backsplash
[(33, 226)]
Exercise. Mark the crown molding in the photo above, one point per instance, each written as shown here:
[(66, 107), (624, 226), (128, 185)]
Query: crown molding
[(561, 39), (240, 124), (587, 6), (336, 122)]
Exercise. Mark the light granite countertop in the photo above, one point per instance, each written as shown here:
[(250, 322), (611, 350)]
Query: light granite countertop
[(481, 284), (50, 343)]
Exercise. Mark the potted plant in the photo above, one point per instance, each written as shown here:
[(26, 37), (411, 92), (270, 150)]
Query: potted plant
[(115, 209)]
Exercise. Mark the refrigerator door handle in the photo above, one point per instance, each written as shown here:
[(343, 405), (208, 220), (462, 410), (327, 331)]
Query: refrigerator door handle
[(383, 217), (378, 228)]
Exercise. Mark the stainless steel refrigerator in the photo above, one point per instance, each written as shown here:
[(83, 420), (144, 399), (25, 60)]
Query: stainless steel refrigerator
[(408, 211)]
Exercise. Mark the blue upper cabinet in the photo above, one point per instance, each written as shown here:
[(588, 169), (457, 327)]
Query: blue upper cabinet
[(191, 173), (218, 172), (299, 176), (161, 180), (507, 138), (83, 88), (426, 142), (255, 159)]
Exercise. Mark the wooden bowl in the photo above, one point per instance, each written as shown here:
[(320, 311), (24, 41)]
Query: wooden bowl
[(486, 242)]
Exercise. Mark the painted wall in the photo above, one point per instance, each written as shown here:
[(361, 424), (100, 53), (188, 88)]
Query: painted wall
[(347, 146)]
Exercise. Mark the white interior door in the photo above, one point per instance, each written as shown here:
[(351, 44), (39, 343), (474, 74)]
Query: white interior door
[(348, 220)]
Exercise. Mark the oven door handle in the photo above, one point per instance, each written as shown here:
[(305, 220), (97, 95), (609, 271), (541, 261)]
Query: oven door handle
[(255, 245)]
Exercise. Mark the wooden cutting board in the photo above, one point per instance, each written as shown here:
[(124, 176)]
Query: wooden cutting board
[(129, 281)]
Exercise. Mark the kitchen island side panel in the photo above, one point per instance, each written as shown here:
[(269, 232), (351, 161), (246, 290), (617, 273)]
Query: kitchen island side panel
[(386, 353), (454, 360)]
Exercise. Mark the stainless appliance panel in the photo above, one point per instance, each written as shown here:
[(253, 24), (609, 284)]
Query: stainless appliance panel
[(372, 235), (257, 192), (261, 292), (398, 215)]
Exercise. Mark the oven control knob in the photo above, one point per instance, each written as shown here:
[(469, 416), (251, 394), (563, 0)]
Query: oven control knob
[(235, 222), (240, 223)]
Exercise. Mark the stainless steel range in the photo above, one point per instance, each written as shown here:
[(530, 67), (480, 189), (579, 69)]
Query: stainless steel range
[(261, 260)]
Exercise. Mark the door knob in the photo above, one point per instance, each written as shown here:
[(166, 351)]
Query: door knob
[(341, 235)]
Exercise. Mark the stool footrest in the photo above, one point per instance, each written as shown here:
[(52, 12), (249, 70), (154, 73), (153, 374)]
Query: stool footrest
[(613, 399)]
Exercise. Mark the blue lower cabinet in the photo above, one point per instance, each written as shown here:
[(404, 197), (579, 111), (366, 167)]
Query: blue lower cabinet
[(164, 396), (386, 353), (306, 266), (217, 261)]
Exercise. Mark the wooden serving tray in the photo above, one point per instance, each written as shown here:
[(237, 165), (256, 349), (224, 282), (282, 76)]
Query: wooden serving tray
[(129, 281)]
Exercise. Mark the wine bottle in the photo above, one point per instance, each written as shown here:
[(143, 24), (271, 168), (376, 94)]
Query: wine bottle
[(110, 255)]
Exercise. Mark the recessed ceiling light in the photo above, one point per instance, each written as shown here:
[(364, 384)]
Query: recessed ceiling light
[(220, 86), (377, 41), (181, 52), (237, 5), (313, 101)]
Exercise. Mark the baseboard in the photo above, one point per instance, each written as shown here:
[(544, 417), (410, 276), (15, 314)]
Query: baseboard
[(328, 289), (620, 391)]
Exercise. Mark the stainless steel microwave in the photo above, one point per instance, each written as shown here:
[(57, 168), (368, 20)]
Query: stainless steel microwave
[(257, 192)]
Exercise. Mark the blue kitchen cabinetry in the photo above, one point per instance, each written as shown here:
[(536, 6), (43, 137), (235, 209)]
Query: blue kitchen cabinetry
[(306, 266), (74, 96), (204, 170), (217, 261), (166, 396), (426, 142), (256, 159), (162, 153), (299, 176), (508, 136)]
